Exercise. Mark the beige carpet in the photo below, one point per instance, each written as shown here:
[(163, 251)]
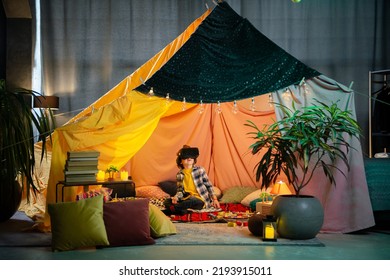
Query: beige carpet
[(18, 232), (221, 234)]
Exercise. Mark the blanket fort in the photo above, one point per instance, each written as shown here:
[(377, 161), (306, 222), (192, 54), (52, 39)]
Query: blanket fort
[(142, 133)]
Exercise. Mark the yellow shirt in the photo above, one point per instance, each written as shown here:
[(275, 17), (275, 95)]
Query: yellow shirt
[(188, 183)]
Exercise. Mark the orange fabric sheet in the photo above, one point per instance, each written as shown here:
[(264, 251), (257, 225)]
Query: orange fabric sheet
[(221, 139)]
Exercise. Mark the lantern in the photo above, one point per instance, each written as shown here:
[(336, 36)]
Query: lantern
[(269, 228)]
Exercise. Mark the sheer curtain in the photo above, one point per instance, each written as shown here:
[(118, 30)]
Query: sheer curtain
[(89, 46)]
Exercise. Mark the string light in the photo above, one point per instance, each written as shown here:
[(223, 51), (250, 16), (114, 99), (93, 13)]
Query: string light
[(270, 100), (201, 108), (151, 92), (218, 110), (235, 109), (167, 99), (184, 104), (305, 87), (253, 106), (286, 95)]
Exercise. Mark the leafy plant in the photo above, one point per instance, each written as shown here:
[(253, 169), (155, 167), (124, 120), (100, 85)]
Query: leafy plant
[(302, 141), (264, 196), (111, 170), (20, 128)]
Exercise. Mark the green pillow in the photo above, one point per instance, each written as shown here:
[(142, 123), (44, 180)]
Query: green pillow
[(78, 224), (236, 194), (160, 224)]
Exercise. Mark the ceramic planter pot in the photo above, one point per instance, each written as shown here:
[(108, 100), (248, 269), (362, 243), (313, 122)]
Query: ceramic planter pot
[(298, 217)]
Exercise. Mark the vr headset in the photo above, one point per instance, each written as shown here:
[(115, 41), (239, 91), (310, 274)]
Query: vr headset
[(189, 153)]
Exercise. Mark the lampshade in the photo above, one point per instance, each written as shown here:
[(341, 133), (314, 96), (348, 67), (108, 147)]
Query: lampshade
[(280, 188), (51, 102)]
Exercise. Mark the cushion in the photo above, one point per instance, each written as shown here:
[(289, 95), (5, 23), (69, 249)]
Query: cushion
[(256, 195), (78, 224), (106, 192), (158, 202), (236, 194), (150, 192), (252, 204), (217, 192), (160, 224), (127, 222), (170, 187)]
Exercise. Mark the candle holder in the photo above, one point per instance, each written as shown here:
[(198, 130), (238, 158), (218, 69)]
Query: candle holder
[(269, 228), (124, 175), (101, 175)]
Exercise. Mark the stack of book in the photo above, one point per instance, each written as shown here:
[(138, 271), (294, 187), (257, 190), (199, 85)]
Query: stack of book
[(81, 166)]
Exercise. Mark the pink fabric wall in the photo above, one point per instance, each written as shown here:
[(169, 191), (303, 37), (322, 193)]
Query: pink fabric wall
[(221, 138), (224, 151)]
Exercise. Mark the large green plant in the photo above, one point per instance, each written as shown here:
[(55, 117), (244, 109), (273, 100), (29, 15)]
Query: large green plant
[(302, 141), (20, 128)]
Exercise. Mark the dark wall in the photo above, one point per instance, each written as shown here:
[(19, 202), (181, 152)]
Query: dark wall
[(16, 43), (19, 53), (3, 42)]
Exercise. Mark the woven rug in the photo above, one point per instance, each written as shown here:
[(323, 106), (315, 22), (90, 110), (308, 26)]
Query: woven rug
[(19, 232), (221, 234)]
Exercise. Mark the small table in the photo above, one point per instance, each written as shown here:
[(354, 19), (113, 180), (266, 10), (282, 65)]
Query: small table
[(120, 188)]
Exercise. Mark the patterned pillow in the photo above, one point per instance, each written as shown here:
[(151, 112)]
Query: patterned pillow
[(158, 202), (106, 192), (150, 192)]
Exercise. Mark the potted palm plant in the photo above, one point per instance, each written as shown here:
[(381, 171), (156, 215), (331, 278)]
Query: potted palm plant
[(18, 126), (303, 141), (112, 170)]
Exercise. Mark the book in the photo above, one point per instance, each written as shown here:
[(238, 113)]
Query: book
[(80, 168), (81, 172), (80, 178), (82, 159), (83, 154), (73, 163)]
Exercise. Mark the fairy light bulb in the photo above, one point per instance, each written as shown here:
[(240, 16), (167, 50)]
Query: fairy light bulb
[(270, 100), (184, 104), (218, 110), (201, 108), (253, 106), (235, 109), (151, 92), (306, 88), (167, 99), (286, 95)]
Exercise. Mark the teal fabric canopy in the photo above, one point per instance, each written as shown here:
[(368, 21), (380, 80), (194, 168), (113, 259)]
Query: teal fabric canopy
[(226, 59)]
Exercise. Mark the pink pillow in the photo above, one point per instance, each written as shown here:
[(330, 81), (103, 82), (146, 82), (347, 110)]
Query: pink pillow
[(127, 222), (150, 192)]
